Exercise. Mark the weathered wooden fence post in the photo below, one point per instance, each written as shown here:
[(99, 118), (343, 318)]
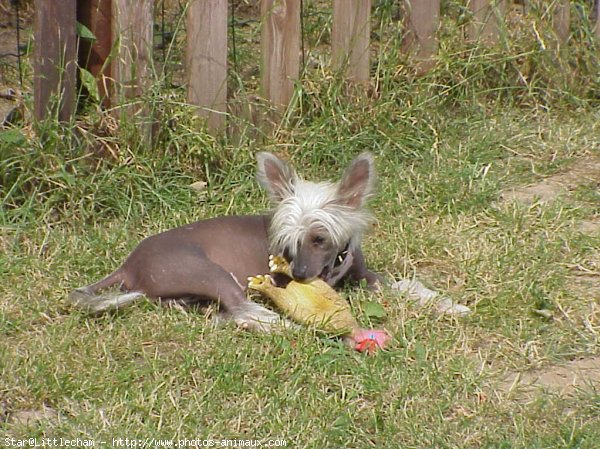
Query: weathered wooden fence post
[(206, 60), (55, 67), (350, 38), (597, 18), (562, 20), (596, 15), (485, 24), (556, 11), (97, 16), (280, 50), (421, 22), (132, 33)]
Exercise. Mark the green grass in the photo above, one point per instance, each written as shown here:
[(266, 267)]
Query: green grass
[(447, 146)]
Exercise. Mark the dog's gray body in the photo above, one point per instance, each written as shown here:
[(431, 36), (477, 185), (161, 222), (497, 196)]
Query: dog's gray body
[(212, 259)]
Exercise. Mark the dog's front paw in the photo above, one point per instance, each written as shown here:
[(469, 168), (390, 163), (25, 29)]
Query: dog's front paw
[(253, 316)]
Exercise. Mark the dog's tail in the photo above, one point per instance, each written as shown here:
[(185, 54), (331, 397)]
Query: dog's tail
[(86, 298)]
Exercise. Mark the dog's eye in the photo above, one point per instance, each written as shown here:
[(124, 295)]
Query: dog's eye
[(318, 240)]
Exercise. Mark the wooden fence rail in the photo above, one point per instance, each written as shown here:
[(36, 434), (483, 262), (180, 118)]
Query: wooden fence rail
[(123, 30)]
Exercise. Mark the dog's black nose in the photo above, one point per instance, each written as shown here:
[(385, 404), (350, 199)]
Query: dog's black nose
[(300, 272)]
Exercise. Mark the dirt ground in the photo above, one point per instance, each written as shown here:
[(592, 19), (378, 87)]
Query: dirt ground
[(564, 379), (586, 172), (579, 374)]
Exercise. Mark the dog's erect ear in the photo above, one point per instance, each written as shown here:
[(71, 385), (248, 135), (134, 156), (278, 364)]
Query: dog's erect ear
[(358, 182), (275, 175)]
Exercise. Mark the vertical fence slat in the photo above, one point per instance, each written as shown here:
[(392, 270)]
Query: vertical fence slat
[(421, 21), (54, 58), (485, 24), (206, 60), (562, 19), (280, 49), (97, 16), (597, 17), (132, 30), (350, 38)]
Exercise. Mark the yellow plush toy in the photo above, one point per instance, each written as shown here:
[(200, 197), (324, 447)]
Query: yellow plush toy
[(315, 303)]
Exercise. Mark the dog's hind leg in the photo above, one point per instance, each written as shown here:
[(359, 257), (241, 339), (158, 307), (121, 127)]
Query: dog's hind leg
[(198, 277), (87, 298)]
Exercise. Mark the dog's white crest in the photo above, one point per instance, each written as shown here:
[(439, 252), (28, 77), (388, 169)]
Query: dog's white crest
[(310, 205)]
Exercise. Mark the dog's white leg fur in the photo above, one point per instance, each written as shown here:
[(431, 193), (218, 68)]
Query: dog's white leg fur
[(84, 299), (257, 317), (416, 291)]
